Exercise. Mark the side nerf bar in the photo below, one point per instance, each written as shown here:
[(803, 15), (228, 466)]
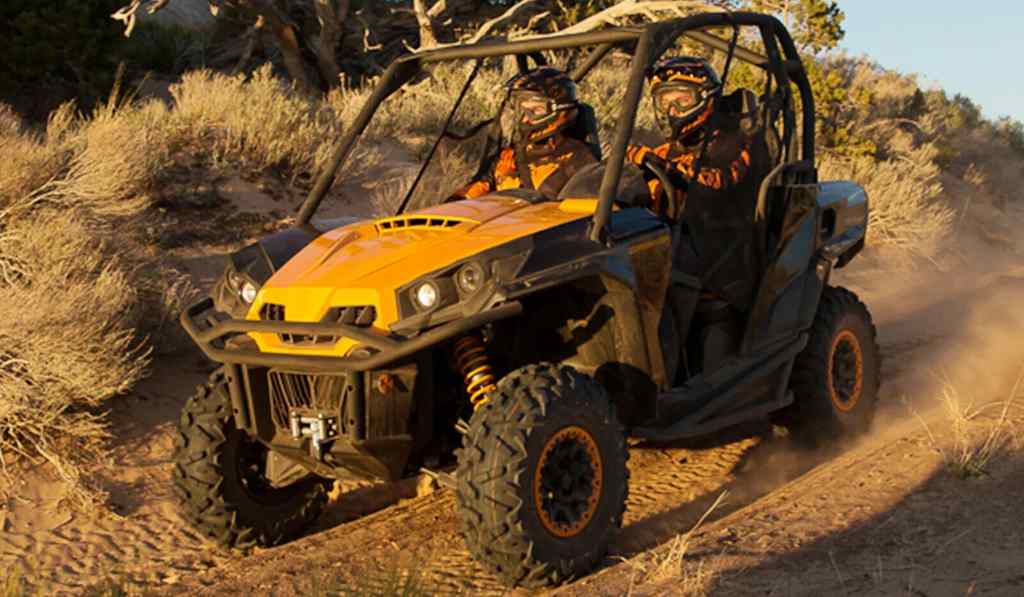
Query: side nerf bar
[(390, 349)]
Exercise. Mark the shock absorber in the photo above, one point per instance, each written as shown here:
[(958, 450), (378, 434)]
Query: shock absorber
[(475, 368)]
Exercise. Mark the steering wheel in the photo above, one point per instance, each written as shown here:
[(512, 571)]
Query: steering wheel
[(657, 167)]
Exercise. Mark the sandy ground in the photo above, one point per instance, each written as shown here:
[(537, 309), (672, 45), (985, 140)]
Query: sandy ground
[(882, 517)]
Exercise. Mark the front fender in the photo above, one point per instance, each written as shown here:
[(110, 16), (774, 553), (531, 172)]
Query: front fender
[(258, 262)]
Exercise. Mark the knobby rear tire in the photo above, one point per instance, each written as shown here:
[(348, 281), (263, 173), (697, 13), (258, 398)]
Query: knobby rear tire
[(824, 409)]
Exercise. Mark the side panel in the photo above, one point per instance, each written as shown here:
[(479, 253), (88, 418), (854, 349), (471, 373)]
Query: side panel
[(652, 261), (625, 366), (777, 309)]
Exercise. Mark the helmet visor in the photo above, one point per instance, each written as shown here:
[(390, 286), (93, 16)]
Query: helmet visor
[(678, 99), (531, 107)]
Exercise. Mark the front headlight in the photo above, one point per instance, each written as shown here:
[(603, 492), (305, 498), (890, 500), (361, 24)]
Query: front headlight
[(426, 295), (470, 277), (248, 292)]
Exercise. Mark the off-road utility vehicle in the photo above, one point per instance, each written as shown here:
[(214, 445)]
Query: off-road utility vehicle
[(540, 334)]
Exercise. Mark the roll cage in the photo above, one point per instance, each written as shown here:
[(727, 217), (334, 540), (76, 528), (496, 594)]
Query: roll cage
[(646, 44)]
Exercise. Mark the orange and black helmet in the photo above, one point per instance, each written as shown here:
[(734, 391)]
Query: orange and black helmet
[(544, 101), (683, 90)]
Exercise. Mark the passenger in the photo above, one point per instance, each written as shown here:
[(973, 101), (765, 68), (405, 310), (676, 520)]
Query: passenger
[(542, 157)]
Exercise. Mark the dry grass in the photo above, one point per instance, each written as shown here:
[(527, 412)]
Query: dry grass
[(68, 348), (82, 291), (31, 159), (975, 438), (670, 564), (396, 582), (255, 124)]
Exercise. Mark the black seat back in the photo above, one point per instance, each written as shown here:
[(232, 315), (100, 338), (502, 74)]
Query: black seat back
[(742, 104), (751, 115), (585, 129)]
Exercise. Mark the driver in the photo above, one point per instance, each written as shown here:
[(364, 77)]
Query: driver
[(715, 164), (542, 157)]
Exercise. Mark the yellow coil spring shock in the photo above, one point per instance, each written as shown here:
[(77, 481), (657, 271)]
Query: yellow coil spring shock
[(471, 359)]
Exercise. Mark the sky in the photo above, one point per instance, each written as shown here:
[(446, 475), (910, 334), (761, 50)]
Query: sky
[(917, 36)]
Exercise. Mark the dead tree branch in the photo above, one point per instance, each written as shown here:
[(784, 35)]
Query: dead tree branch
[(127, 14), (498, 21), (252, 40), (651, 9), (485, 29), (428, 38)]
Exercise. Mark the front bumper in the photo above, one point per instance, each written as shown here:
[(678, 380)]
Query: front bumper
[(211, 335), (332, 414)]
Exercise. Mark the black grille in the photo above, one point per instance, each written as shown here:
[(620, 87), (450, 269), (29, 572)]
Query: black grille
[(362, 316), (321, 393), (358, 316), (272, 312)]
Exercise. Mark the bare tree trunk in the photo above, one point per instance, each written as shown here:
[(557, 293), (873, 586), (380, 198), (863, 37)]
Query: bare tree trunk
[(286, 35), (332, 17), (252, 41), (427, 37)]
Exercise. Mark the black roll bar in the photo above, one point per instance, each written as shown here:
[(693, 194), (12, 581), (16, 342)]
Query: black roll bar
[(623, 132), (652, 41)]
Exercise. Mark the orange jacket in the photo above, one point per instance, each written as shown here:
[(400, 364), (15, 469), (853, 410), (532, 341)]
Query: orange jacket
[(564, 158)]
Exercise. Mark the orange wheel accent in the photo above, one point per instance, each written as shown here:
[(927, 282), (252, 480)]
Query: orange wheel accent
[(559, 491), (845, 371)]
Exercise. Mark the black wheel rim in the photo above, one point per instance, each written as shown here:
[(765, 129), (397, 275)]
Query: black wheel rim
[(568, 482), (847, 371)]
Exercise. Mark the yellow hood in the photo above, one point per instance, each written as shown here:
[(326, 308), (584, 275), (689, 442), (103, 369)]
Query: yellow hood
[(366, 262)]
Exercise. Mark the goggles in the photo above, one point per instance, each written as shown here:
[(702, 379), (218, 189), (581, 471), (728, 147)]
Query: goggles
[(679, 99), (531, 107)]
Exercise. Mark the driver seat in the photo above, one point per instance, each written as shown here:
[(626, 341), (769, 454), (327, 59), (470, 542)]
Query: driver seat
[(585, 129)]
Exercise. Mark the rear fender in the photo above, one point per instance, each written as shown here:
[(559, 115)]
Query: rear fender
[(843, 221)]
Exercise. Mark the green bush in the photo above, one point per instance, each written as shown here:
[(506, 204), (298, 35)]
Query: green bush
[(71, 42)]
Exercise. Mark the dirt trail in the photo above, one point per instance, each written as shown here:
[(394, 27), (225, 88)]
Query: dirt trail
[(671, 486), (920, 315)]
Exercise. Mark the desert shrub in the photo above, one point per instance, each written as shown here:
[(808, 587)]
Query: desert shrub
[(75, 339), (29, 161), (903, 193), (105, 164), (414, 116), (256, 124), (68, 347), (118, 156), (450, 168)]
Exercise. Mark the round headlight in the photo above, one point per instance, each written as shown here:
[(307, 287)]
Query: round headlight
[(249, 291), (470, 278), (426, 295)]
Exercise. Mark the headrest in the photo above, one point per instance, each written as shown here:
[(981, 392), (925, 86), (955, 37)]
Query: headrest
[(742, 105)]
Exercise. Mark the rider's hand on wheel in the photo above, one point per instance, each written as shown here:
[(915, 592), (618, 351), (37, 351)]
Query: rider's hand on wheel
[(655, 160), (658, 163)]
